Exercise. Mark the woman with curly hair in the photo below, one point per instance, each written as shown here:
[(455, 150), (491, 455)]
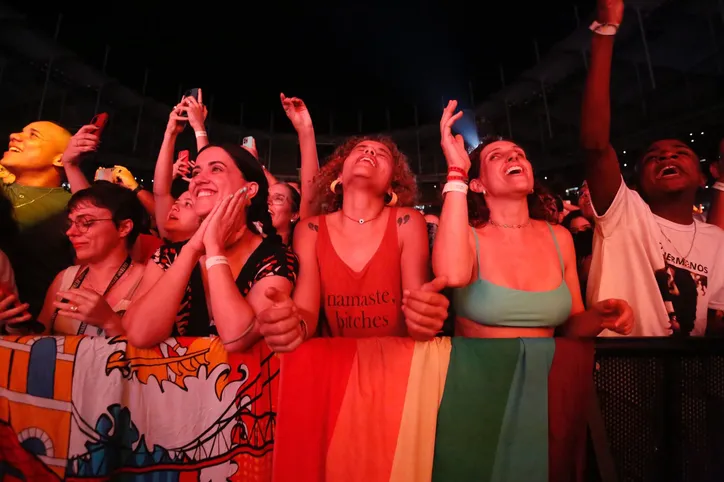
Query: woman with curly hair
[(215, 283), (364, 261)]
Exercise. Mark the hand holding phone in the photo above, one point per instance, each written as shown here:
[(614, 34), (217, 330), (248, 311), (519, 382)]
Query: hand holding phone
[(104, 174), (100, 122)]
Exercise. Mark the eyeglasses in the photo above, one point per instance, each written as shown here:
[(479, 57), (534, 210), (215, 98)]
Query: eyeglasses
[(83, 224), (277, 199)]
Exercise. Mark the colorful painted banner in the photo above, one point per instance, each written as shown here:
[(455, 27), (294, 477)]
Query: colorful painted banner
[(360, 410), (91, 409)]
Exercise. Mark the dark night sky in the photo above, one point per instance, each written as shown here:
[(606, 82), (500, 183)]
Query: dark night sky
[(344, 55)]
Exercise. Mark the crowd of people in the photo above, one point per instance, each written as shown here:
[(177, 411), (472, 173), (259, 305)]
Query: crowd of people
[(239, 255)]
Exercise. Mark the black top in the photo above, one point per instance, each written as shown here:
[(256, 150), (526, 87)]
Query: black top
[(192, 319)]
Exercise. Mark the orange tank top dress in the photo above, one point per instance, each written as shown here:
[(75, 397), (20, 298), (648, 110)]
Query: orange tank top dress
[(366, 303)]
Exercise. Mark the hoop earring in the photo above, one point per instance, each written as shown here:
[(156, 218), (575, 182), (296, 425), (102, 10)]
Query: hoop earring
[(393, 199), (333, 186)]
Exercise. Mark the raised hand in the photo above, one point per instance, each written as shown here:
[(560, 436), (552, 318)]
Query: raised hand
[(453, 147), (196, 111), (84, 141), (425, 309), (615, 315), (281, 325), (182, 166), (297, 112), (176, 122), (123, 177)]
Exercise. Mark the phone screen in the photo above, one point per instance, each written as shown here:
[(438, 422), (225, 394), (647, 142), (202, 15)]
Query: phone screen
[(192, 93)]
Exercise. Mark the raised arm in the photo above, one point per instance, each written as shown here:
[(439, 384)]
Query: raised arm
[(83, 142), (453, 255), (602, 170), (164, 173), (298, 113)]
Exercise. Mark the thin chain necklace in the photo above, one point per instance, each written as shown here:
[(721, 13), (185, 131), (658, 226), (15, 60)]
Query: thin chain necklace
[(16, 206), (362, 221), (509, 226), (693, 239)]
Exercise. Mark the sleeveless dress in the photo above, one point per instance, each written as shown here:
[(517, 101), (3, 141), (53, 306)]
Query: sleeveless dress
[(363, 303)]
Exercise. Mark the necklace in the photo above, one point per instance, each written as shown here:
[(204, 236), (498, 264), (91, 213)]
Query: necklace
[(509, 226), (21, 196), (672, 244), (362, 220)]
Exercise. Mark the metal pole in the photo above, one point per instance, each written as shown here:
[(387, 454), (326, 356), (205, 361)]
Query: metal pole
[(388, 119), (472, 95), (545, 105), (100, 87), (180, 93), (359, 121), (271, 139), (50, 68), (537, 52), (417, 135), (505, 101), (646, 48), (140, 111), (331, 122)]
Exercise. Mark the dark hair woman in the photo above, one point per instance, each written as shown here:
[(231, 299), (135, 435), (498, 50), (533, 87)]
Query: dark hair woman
[(216, 282), (515, 276)]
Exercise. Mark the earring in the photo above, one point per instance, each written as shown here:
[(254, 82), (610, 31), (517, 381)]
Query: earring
[(333, 186), (485, 193), (393, 198)]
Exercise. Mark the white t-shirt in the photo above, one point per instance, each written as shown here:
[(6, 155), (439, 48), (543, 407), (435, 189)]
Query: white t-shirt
[(633, 248)]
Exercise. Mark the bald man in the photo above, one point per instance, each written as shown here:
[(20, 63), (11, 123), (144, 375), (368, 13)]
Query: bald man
[(31, 178), (33, 159)]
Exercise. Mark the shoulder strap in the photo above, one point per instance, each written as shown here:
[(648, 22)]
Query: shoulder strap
[(558, 248)]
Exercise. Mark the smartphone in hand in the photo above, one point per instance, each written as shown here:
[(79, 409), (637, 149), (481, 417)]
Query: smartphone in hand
[(190, 93), (100, 122), (104, 174)]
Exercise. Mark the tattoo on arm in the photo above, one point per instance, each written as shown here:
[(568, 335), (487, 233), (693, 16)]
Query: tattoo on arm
[(403, 220), (313, 227)]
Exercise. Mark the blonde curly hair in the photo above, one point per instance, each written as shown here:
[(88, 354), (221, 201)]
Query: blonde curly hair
[(403, 180)]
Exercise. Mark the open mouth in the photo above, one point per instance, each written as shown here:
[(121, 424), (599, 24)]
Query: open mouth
[(668, 171), (513, 171), (368, 160)]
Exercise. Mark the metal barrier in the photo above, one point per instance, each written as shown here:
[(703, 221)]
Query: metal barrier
[(662, 402)]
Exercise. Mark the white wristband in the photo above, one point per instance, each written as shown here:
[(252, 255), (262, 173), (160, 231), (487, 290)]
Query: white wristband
[(214, 260), (455, 186), (201, 134), (719, 186), (608, 29)]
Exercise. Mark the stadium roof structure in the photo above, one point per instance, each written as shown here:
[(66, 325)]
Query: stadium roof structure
[(668, 78)]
